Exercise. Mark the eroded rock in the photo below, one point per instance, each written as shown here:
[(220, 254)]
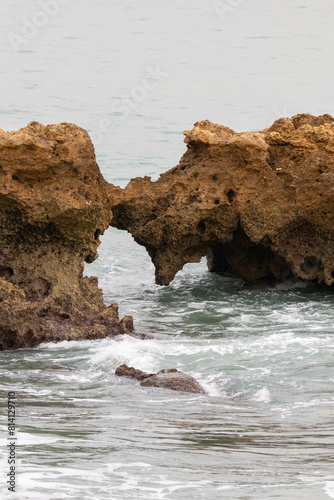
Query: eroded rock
[(129, 371), (168, 379), (53, 208), (259, 205)]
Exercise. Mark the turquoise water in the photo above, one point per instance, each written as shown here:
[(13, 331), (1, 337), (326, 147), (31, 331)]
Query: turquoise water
[(265, 356)]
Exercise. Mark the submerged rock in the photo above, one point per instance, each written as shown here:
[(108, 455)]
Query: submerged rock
[(53, 208), (259, 205), (129, 371), (168, 379)]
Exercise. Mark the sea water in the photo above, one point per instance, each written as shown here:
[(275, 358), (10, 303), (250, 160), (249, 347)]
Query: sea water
[(135, 74)]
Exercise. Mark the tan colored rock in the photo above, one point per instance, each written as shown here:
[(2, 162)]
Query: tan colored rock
[(129, 371), (171, 379), (258, 204), (53, 208)]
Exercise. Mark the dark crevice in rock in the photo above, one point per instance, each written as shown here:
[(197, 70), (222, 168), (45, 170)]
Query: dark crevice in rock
[(231, 195), (6, 272), (242, 258), (201, 227)]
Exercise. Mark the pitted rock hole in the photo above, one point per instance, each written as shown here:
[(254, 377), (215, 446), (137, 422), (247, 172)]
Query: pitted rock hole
[(201, 226), (309, 264), (231, 195), (6, 272)]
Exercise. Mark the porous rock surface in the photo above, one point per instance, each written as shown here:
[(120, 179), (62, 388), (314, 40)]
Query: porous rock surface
[(259, 205), (171, 379), (53, 208)]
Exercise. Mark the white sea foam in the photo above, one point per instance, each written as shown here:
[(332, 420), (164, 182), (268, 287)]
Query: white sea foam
[(262, 395), (148, 355), (112, 467), (329, 489), (25, 439)]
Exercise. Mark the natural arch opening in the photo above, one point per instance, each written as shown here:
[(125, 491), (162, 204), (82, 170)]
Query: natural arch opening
[(122, 267)]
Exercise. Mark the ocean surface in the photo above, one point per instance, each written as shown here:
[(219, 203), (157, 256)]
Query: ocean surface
[(135, 74)]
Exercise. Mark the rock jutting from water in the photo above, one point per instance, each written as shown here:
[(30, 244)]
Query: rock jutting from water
[(171, 379), (53, 206), (259, 205)]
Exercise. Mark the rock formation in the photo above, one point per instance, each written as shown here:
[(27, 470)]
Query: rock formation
[(168, 379), (259, 205), (53, 208)]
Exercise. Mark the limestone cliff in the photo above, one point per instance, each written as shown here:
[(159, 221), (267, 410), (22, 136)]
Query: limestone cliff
[(258, 204), (53, 208)]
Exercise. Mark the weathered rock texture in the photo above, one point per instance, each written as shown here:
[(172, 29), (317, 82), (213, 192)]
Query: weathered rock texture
[(53, 208), (258, 204), (171, 379)]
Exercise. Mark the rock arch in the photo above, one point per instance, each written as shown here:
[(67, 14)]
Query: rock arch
[(257, 204)]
